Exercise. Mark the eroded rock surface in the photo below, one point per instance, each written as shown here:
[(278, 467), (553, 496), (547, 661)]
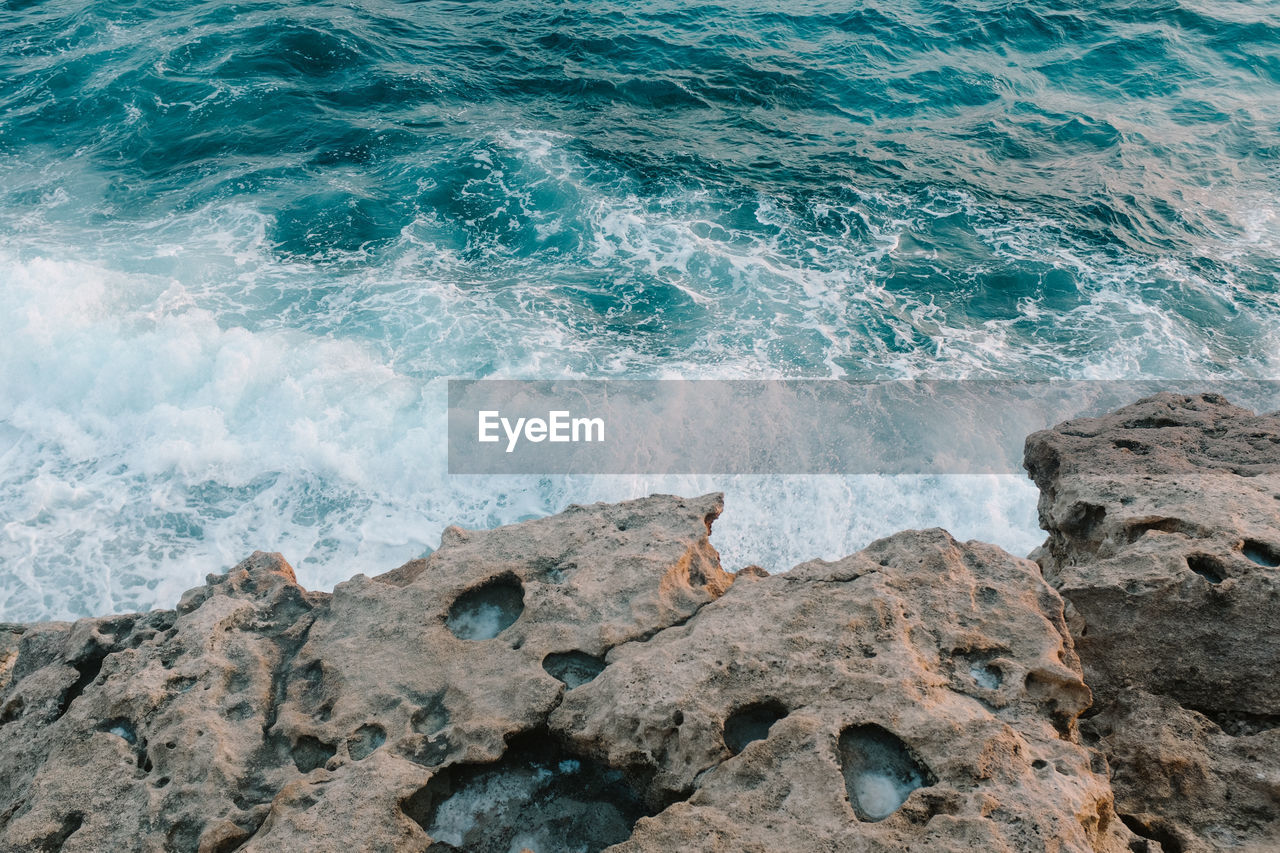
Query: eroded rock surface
[(262, 717), (921, 694), (1164, 538), (588, 681), (595, 680)]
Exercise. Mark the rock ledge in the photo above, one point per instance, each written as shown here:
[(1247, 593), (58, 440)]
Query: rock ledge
[(595, 680)]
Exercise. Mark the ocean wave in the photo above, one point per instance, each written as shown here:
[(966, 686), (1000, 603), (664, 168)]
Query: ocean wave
[(241, 248)]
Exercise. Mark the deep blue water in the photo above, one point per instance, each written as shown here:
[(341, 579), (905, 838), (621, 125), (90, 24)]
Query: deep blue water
[(241, 244)]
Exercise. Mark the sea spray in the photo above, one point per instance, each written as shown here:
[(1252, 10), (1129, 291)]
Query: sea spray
[(241, 248)]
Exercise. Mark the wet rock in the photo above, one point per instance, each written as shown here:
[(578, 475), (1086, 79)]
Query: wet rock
[(573, 668), (751, 723), (880, 771), (538, 797), (1164, 533), (486, 611)]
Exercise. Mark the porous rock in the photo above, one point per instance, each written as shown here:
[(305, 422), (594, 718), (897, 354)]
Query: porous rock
[(935, 675), (1164, 539), (584, 681), (258, 716)]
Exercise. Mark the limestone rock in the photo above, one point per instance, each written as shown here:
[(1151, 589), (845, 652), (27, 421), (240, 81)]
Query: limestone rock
[(921, 694), (1185, 782), (260, 716), (589, 680), (1164, 538)]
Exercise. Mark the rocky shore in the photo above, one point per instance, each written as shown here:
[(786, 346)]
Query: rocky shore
[(597, 680)]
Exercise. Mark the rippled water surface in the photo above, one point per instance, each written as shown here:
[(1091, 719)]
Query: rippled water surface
[(241, 244)]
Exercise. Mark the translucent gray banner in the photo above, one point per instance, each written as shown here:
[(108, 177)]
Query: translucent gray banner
[(780, 426)]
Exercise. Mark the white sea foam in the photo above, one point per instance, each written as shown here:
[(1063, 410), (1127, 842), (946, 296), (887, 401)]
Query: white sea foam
[(148, 445), (174, 395), (880, 794), (499, 797)]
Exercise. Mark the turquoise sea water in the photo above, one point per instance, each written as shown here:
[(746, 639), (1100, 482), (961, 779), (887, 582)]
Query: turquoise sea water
[(241, 244)]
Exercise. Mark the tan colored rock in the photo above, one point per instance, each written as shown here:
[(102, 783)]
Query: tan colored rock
[(141, 732), (1164, 538), (589, 680), (918, 652), (259, 716)]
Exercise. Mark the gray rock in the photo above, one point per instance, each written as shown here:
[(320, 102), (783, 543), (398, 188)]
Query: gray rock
[(1164, 538)]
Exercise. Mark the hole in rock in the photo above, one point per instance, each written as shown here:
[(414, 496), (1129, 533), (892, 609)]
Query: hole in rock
[(1239, 724), (977, 663), (573, 668), (538, 797), (1083, 518), (366, 739), (631, 522), (424, 750), (751, 722), (1169, 842), (1039, 764), (551, 569), (12, 710), (431, 716), (312, 674), (310, 753), (986, 675), (1062, 701), (1138, 528), (122, 729), (181, 683), (54, 841), (87, 670), (1207, 567), (486, 611), (1151, 422), (1261, 553), (880, 771)]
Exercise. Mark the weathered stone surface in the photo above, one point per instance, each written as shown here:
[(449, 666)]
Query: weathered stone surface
[(551, 684), (1164, 538), (147, 732), (919, 657), (1185, 782), (574, 682), (259, 716)]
